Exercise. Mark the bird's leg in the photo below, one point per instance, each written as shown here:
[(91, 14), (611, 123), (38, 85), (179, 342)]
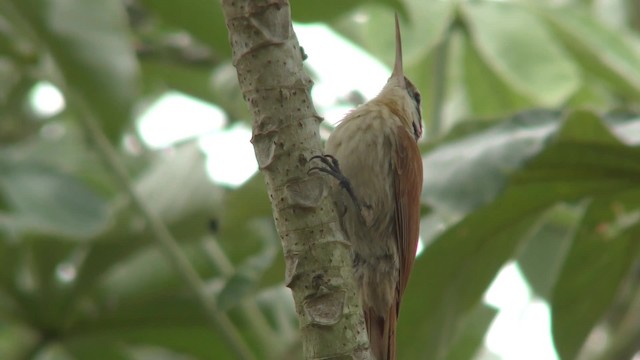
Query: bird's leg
[(333, 168)]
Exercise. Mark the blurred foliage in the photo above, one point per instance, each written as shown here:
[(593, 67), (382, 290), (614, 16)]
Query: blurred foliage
[(516, 170)]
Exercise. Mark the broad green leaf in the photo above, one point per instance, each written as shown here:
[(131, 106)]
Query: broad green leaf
[(97, 348), (63, 146), (473, 169), (547, 245), (37, 292), (199, 342), (175, 308), (9, 267), (189, 341), (487, 93), (600, 50), (473, 331), (89, 42), (14, 339), (126, 238), (203, 19), (239, 222), (593, 93), (237, 215), (249, 273), (529, 61), (584, 160), (187, 209), (154, 309), (372, 27), (195, 81), (308, 11), (44, 199), (601, 255), (149, 273), (464, 174), (180, 193), (450, 277)]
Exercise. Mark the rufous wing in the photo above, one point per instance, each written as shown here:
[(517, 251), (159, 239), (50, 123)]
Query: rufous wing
[(381, 329), (408, 188)]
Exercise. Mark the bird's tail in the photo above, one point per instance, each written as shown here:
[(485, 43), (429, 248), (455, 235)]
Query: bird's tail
[(382, 332)]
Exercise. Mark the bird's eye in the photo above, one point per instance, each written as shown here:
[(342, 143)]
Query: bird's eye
[(416, 97)]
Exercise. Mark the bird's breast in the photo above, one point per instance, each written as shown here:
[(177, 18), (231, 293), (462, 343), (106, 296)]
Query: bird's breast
[(364, 144)]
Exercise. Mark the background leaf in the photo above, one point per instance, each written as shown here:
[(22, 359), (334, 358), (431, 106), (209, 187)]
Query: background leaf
[(601, 255), (88, 41), (531, 61), (584, 159), (46, 200), (585, 38)]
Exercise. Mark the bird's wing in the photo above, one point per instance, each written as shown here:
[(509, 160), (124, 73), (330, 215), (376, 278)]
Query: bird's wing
[(408, 187)]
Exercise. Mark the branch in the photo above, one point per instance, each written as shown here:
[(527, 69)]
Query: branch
[(268, 60)]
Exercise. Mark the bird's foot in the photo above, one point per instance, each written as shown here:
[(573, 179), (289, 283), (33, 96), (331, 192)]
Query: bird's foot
[(332, 167)]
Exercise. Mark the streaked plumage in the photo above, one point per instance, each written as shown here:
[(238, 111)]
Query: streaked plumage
[(376, 149)]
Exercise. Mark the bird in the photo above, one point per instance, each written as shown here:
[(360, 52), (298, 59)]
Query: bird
[(374, 156)]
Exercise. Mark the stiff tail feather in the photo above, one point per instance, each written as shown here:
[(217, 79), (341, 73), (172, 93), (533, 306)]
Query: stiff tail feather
[(382, 332)]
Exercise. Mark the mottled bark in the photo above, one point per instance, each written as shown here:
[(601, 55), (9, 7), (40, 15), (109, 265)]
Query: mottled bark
[(268, 60)]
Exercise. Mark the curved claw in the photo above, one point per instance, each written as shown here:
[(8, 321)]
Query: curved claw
[(329, 160), (333, 169)]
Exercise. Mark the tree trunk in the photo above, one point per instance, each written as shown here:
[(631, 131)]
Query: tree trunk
[(268, 60)]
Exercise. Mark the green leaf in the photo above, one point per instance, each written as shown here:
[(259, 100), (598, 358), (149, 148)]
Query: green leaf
[(14, 338), (113, 248), (239, 220), (454, 271), (187, 210), (147, 274), (529, 61), (473, 331), (96, 348), (144, 302), (309, 11), (44, 199), (600, 50), (234, 222), (197, 341), (37, 287), (422, 29), (66, 149), (601, 255), (487, 93), (545, 249), (195, 81), (473, 170), (249, 273), (203, 19), (89, 42), (178, 190)]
